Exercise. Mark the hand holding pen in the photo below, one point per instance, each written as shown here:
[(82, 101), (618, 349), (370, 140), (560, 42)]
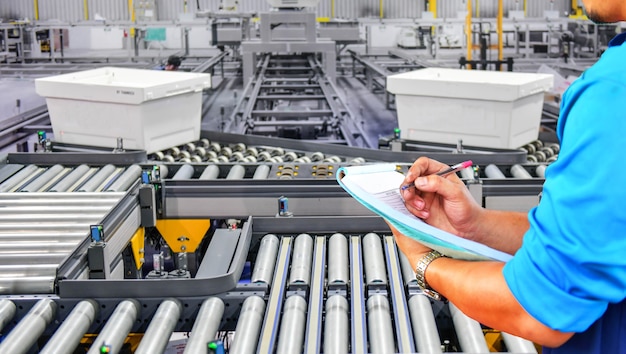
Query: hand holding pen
[(451, 169)]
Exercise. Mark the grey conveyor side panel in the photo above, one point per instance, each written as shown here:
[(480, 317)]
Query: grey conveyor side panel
[(221, 250), (99, 288)]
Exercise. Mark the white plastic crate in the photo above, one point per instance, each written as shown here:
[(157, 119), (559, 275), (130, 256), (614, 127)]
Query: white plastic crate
[(149, 109), (483, 108)]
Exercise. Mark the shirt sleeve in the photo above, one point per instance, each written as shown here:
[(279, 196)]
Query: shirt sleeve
[(572, 263)]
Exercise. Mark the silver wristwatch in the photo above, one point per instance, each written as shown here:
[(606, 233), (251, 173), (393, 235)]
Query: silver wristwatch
[(420, 272)]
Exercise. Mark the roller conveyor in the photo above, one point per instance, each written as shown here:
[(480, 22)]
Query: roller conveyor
[(310, 318), (45, 218), (319, 291)]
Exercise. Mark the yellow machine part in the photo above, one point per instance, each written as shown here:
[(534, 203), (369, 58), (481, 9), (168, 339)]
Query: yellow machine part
[(132, 340), (137, 245), (183, 235), (495, 341), (577, 11)]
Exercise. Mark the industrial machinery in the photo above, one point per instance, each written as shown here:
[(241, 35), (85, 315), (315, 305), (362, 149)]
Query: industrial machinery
[(242, 242)]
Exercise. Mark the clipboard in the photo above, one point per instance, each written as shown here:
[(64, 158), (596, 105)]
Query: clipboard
[(377, 187)]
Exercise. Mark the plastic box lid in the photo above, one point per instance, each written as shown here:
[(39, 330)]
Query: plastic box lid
[(469, 84), (121, 85)]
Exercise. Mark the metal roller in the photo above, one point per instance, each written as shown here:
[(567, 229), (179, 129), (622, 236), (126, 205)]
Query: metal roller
[(51, 218), (97, 179), (7, 311), (237, 156), (520, 172), (261, 172), (75, 325), (424, 325), (164, 171), (215, 147), (116, 330), (336, 325), (467, 173), (248, 326), (158, 155), (338, 260), (516, 344), (27, 331), (303, 159), (264, 156), (123, 182), (42, 211), (373, 260), (301, 260), (200, 151), (252, 151), (226, 152), (32, 258), (30, 285), (236, 172), (278, 151), (184, 172), (291, 335), (28, 247), (210, 172), (41, 228), (184, 154), (492, 171), (27, 270), (290, 156), (17, 179), (71, 179), (42, 237), (468, 331), (380, 330), (207, 323), (541, 171), (317, 156), (263, 271), (408, 274), (161, 327), (38, 184), (174, 151)]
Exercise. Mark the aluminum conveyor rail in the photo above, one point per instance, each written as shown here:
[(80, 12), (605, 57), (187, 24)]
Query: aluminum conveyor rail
[(291, 97), (308, 292)]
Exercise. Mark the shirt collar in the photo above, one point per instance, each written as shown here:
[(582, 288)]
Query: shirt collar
[(618, 40)]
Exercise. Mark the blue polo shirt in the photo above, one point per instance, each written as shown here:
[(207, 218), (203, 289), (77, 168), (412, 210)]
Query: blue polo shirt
[(571, 267)]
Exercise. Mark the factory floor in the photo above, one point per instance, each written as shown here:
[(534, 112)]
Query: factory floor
[(370, 108)]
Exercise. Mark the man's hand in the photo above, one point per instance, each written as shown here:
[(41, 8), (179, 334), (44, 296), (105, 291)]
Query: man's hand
[(443, 202)]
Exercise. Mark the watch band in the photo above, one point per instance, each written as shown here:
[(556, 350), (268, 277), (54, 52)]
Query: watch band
[(420, 273)]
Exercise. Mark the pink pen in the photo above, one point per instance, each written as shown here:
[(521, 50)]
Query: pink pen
[(452, 169)]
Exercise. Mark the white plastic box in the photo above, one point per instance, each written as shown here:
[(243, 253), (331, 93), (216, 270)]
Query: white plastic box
[(149, 109), (483, 108)]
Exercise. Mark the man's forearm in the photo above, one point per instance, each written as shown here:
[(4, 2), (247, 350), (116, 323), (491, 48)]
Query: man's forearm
[(480, 291), (502, 230)]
